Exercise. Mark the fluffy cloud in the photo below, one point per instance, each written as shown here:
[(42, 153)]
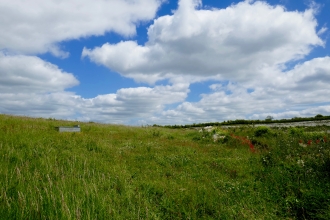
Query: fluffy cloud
[(302, 91), (61, 105), (132, 104), (239, 43), (38, 26), (41, 99), (30, 74), (31, 86), (246, 48)]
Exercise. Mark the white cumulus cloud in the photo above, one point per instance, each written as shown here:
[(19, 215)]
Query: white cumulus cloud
[(129, 105), (300, 92), (240, 43), (29, 74), (38, 26), (31, 86), (254, 53)]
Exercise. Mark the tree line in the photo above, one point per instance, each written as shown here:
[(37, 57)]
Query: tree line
[(269, 119)]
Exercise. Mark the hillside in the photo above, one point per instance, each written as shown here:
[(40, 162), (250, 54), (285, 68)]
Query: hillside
[(122, 172)]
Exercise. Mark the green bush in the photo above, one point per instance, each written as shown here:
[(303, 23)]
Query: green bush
[(261, 131), (314, 136), (296, 132)]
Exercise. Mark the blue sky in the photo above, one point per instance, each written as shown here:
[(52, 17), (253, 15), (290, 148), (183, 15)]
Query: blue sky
[(164, 62)]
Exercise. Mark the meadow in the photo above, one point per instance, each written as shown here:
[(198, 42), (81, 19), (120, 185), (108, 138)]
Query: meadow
[(122, 172)]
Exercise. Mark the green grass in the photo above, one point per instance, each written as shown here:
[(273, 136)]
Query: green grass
[(121, 172)]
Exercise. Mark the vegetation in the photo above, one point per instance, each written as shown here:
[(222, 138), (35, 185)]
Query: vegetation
[(120, 172)]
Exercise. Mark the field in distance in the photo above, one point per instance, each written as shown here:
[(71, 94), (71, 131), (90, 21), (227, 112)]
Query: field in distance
[(122, 172)]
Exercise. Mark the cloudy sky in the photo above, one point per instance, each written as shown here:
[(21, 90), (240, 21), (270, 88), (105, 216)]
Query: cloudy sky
[(139, 62)]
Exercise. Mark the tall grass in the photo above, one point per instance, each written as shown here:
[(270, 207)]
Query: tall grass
[(120, 172)]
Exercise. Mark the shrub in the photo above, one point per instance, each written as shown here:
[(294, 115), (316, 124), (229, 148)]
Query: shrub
[(296, 132), (261, 131)]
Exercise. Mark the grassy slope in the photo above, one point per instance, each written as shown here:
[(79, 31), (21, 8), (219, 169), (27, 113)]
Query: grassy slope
[(119, 172)]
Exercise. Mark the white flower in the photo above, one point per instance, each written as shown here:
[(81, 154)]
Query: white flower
[(300, 163)]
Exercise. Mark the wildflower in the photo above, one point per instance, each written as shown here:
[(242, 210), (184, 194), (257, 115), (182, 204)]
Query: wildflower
[(300, 163), (317, 141), (309, 142), (245, 141), (252, 147)]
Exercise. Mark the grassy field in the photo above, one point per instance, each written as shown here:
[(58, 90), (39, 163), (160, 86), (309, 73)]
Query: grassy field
[(121, 172)]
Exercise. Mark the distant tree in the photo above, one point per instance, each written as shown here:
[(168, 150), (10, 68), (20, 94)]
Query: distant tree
[(269, 118), (318, 116)]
